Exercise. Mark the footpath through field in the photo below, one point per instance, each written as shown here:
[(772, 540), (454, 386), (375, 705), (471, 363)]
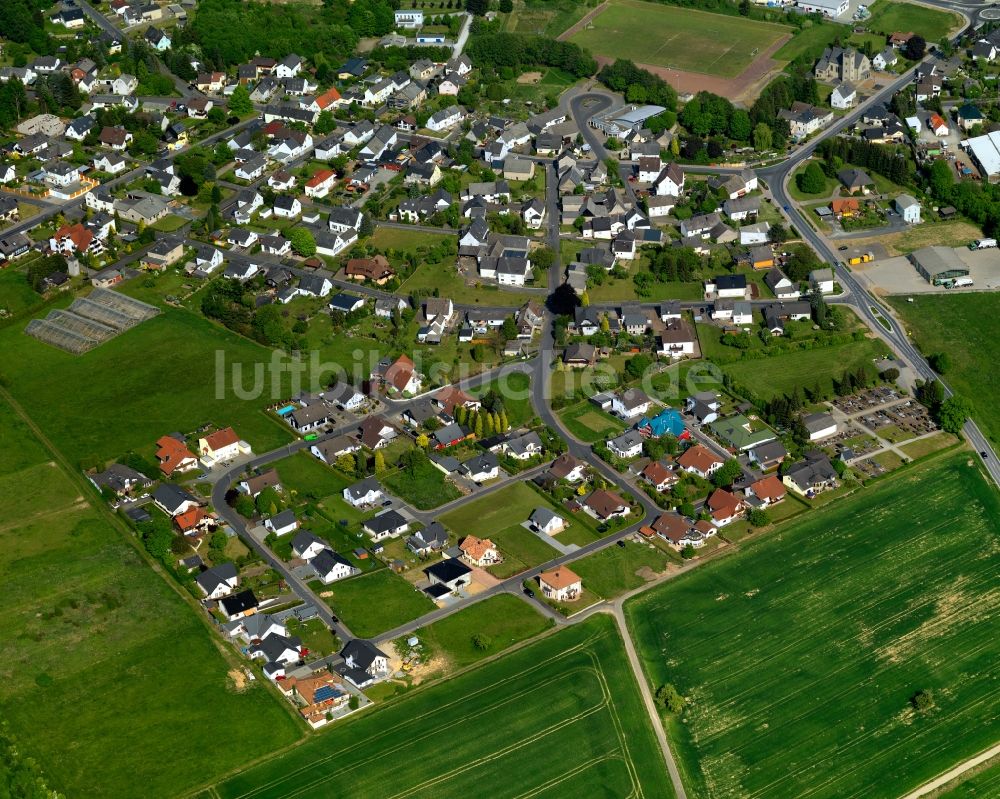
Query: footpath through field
[(958, 771)]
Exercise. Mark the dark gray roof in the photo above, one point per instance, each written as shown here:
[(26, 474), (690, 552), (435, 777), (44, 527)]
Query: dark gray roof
[(212, 578), (171, 496), (385, 522)]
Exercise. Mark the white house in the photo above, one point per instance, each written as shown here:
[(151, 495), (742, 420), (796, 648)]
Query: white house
[(844, 96), (409, 18), (307, 546), (218, 581), (330, 567), (287, 207), (670, 181), (222, 445), (445, 118), (626, 446), (282, 523), (363, 493), (545, 521), (819, 425), (560, 584), (908, 208), (629, 404), (822, 279)]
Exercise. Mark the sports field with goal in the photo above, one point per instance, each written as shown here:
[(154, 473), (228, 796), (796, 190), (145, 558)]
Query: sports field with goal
[(677, 38), (560, 717), (803, 654)]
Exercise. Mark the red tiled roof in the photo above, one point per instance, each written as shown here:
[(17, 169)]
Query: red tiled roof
[(78, 234), (560, 577), (770, 488), (221, 438), (399, 373), (327, 98), (170, 453), (189, 519), (697, 457), (320, 177)]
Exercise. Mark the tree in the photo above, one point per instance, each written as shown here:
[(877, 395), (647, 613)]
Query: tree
[(353, 703), (490, 429), (758, 517), (915, 48), (585, 299), (811, 180), (940, 362), (688, 552), (244, 506), (509, 329), (477, 7), (504, 423), (423, 441), (479, 427), (922, 701), (379, 462), (941, 178), (669, 698), (818, 307), (325, 123), (727, 474), (302, 241), (346, 463), (762, 139), (239, 101), (506, 6), (481, 641), (953, 413)]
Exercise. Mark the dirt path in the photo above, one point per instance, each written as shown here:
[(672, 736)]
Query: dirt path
[(583, 23), (958, 771)]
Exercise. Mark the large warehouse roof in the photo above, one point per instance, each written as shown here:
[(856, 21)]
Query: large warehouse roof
[(938, 262), (986, 151)]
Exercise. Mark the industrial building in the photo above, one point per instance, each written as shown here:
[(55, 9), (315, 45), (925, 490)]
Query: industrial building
[(985, 152), (623, 120), (938, 265)]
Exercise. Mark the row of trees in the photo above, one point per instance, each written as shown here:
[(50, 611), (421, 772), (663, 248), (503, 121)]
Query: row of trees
[(516, 50), (978, 200), (886, 160), (638, 85)]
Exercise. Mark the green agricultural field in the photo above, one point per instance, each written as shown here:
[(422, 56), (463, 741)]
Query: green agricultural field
[(983, 785), (125, 394), (106, 652), (372, 603), (930, 23), (560, 717), (964, 326), (515, 388), (503, 619), (685, 39), (494, 514), (589, 423), (615, 570), (800, 653), (780, 374)]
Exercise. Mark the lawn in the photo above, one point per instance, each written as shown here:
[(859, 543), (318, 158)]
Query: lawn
[(149, 381), (445, 278), (16, 296), (503, 619), (800, 653), (685, 39), (423, 486), (953, 233), (925, 446), (964, 326), (521, 548), (930, 23), (614, 570), (169, 224), (780, 374), (589, 423), (372, 603), (498, 513), (810, 41), (515, 388), (308, 477), (546, 17), (560, 717), (387, 238), (108, 654)]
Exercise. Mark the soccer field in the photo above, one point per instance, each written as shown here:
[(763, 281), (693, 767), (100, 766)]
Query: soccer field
[(561, 717), (800, 654), (678, 38)]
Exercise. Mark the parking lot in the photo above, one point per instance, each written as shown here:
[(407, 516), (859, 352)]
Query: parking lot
[(899, 276)]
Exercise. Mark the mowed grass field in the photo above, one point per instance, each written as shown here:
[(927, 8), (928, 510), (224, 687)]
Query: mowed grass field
[(559, 717), (964, 326), (152, 380), (800, 653), (679, 38), (371, 604), (107, 674), (780, 374)]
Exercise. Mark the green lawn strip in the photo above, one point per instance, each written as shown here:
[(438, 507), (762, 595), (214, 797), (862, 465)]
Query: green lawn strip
[(780, 374), (504, 620), (926, 446), (308, 477), (424, 487), (154, 379), (589, 423), (612, 571), (572, 690), (521, 549), (964, 327), (809, 42), (807, 644), (372, 603)]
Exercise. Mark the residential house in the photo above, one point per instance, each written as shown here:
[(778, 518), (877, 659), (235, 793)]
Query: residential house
[(566, 467), (221, 446), (560, 584), (481, 468), (700, 461), (364, 493), (768, 490), (376, 432), (819, 425), (630, 403), (387, 524), (605, 505), (252, 486), (174, 456), (480, 552), (908, 208), (330, 567), (172, 499), (451, 574), (218, 581), (822, 279), (432, 538), (627, 445), (236, 606), (725, 507), (813, 474), (543, 520), (364, 663), (844, 96), (282, 523)]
